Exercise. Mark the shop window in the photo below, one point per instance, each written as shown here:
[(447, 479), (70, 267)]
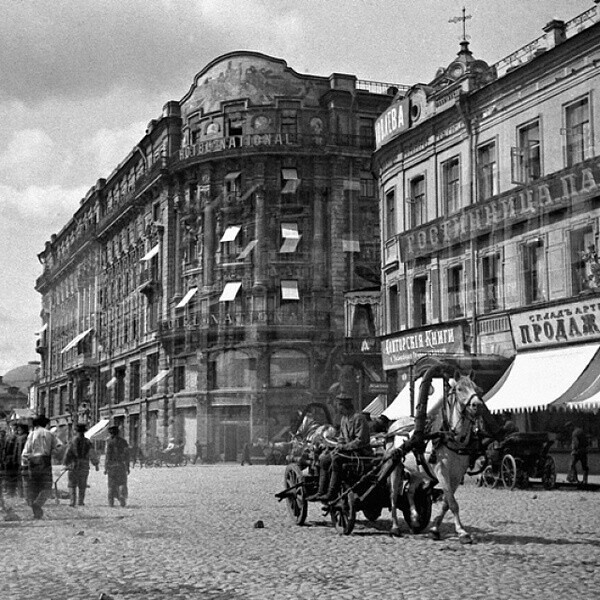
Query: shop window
[(526, 158), (289, 368), (584, 262), (487, 171), (490, 280), (533, 271), (455, 295), (578, 132), (451, 185), (234, 369), (417, 202)]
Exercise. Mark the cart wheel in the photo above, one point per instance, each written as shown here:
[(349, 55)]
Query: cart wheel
[(423, 503), (508, 472), (297, 505), (343, 512), (549, 473), (489, 478)]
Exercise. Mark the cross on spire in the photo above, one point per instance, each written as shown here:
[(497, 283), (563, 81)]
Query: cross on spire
[(464, 22)]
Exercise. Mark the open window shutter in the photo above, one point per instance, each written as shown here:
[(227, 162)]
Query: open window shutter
[(403, 316), (435, 295), (511, 283), (557, 268)]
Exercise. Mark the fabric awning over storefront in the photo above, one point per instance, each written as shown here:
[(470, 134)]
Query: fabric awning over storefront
[(540, 378), (161, 375), (400, 407), (376, 407), (99, 431)]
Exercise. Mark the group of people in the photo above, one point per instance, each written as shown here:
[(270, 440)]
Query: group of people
[(26, 464)]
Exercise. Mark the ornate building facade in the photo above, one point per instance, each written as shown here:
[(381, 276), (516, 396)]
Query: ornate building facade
[(198, 291), (488, 179)]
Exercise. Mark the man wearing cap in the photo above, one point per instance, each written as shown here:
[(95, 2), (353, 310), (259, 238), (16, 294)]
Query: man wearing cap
[(37, 458), (77, 460), (353, 441), (117, 467)]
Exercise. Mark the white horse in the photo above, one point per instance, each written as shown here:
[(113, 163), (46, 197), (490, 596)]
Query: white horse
[(460, 412)]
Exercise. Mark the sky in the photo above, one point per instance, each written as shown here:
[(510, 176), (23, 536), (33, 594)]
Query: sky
[(81, 79)]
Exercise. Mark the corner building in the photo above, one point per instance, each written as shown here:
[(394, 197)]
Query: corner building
[(198, 291), (489, 182)]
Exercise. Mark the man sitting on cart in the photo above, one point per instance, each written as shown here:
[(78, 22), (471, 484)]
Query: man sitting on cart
[(353, 442), (494, 448)]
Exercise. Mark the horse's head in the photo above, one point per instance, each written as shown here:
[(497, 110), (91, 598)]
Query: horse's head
[(467, 398)]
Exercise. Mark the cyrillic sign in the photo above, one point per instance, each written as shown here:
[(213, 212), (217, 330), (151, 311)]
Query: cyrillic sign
[(554, 192), (563, 324), (391, 122), (403, 350)]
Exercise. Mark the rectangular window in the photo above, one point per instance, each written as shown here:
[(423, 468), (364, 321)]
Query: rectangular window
[(289, 124), (235, 124), (578, 129), (134, 380), (451, 185), (455, 285), (390, 215), (366, 132), (533, 271), (417, 202), (420, 301), (151, 366), (394, 308), (120, 384), (289, 181), (490, 280), (585, 269), (367, 186), (527, 157), (178, 378), (232, 185), (487, 171)]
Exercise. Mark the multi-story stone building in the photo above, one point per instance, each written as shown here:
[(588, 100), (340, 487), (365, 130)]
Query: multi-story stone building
[(489, 177), (198, 290)]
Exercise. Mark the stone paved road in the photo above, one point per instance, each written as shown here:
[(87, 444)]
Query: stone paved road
[(188, 534)]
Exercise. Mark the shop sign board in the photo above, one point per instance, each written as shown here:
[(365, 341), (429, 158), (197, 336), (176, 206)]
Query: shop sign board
[(404, 349), (392, 122), (556, 325)]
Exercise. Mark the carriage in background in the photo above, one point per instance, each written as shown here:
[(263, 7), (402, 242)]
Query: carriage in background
[(519, 458)]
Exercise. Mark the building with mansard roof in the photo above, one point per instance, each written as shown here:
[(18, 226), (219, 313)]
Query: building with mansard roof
[(489, 182), (197, 292)]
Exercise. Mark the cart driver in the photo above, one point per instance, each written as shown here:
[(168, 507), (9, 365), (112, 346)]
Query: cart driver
[(353, 441), (171, 447)]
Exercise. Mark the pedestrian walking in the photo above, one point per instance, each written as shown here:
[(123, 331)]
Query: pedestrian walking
[(198, 456), (77, 460), (13, 449), (117, 467), (246, 454), (37, 458), (579, 454)]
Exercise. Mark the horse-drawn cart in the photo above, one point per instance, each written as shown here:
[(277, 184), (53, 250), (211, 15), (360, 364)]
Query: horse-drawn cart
[(364, 485), (519, 458)]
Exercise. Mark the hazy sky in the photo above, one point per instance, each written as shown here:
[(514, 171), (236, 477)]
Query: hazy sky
[(80, 80)]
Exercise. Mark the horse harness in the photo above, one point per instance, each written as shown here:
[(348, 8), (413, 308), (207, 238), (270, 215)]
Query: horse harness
[(465, 444)]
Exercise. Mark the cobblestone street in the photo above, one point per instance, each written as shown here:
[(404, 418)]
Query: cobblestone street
[(189, 533)]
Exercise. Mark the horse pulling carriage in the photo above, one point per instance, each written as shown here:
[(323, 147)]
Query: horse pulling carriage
[(373, 483), (364, 485), (519, 458)]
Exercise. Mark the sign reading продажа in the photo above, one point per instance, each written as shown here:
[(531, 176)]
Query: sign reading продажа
[(566, 323)]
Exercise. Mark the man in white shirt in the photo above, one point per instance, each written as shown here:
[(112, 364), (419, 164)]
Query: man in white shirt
[(37, 458)]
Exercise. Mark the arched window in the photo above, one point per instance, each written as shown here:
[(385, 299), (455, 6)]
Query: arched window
[(289, 368), (234, 369)]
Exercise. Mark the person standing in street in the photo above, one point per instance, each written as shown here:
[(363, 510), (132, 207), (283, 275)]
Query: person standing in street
[(37, 458), (579, 452), (77, 460), (117, 467), (12, 460)]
